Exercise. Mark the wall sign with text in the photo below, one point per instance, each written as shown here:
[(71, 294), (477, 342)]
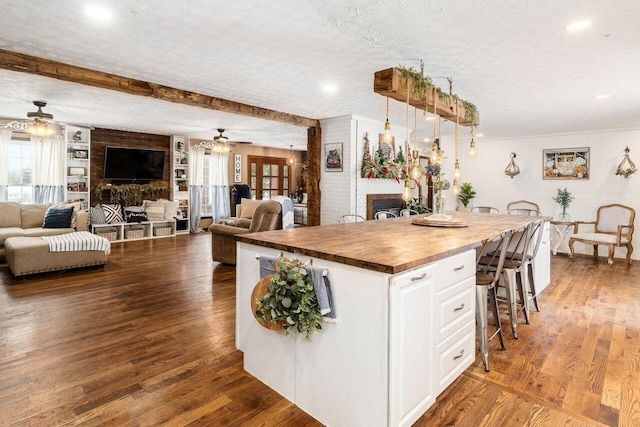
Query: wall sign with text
[(237, 168)]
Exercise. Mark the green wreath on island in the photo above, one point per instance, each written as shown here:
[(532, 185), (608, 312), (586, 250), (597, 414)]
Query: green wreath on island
[(290, 301)]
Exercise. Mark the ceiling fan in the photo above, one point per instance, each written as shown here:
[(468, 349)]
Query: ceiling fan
[(225, 140), (42, 123), (221, 143)]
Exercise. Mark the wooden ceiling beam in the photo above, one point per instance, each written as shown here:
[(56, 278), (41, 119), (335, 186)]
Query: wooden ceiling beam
[(44, 67), (391, 83)]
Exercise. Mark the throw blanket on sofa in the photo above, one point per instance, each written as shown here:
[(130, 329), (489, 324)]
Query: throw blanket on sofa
[(79, 241), (287, 211)]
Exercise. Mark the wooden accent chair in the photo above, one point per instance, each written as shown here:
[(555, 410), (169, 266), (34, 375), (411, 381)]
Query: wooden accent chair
[(523, 207), (613, 227), (485, 209)]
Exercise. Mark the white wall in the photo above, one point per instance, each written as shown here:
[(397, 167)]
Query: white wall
[(346, 192), (486, 172)]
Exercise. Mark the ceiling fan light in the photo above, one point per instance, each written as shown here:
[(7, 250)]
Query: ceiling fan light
[(40, 128)]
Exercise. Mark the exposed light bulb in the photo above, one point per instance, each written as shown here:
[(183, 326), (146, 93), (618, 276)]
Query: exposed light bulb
[(472, 148), (456, 173), (388, 136), (416, 174), (406, 194), (456, 190)]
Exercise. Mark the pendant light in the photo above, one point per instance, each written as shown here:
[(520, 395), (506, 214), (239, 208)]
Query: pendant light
[(456, 173), (472, 145), (415, 155), (406, 193), (388, 136), (435, 147), (291, 160)]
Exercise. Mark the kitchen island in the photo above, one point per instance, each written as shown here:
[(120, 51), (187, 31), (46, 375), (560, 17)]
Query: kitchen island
[(404, 296)]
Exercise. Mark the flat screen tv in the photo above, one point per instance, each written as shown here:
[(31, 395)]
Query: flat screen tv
[(133, 164)]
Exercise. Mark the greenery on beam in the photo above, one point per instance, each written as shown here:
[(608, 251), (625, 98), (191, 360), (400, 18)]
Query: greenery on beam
[(129, 194)]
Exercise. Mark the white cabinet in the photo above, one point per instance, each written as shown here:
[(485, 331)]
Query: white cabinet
[(124, 231), (542, 261), (180, 162), (411, 346), (398, 342), (77, 165)]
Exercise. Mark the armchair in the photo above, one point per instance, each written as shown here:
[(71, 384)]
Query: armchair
[(267, 216), (613, 227)]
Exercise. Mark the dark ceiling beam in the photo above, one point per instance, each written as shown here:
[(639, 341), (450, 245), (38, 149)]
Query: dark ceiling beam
[(44, 67)]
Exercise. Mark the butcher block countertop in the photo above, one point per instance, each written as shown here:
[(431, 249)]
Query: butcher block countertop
[(388, 245)]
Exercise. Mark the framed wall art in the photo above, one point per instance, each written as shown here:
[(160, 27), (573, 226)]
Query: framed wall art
[(333, 157), (565, 163)]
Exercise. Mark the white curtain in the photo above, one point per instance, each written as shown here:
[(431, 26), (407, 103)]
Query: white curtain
[(220, 186), (196, 181), (5, 141), (47, 159)]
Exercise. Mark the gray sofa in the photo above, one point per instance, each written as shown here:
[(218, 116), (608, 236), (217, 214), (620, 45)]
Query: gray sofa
[(26, 220)]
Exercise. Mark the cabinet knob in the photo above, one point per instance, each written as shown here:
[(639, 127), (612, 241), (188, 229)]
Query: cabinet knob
[(459, 355), (459, 308), (458, 268), (420, 277)]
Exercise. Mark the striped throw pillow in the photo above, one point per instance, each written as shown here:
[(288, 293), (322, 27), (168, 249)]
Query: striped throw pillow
[(155, 210), (97, 215)]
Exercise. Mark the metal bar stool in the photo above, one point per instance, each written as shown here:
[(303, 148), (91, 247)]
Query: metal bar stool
[(538, 230), (487, 276), (515, 280)]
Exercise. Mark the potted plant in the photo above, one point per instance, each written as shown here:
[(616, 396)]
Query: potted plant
[(466, 194), (564, 199)]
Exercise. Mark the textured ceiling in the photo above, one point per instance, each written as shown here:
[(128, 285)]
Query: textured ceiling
[(512, 58)]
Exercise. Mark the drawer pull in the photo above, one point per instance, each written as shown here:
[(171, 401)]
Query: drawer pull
[(459, 355), (420, 277), (460, 267), (459, 308)]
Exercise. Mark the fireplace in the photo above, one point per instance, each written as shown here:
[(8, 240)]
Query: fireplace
[(383, 202)]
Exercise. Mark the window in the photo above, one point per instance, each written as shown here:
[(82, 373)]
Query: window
[(20, 178), (269, 176)]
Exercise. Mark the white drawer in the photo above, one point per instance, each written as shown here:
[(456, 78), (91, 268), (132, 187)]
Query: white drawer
[(454, 355), (454, 307), (456, 268), (415, 275)]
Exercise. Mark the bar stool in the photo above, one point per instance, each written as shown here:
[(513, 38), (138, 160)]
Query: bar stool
[(515, 280), (538, 230), (487, 276)]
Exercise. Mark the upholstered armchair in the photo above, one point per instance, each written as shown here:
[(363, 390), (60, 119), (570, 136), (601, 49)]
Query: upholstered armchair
[(613, 228), (267, 216)]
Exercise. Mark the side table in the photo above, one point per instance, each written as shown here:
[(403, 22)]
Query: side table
[(562, 228)]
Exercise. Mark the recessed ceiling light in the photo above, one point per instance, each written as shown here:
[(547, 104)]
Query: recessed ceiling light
[(602, 96), (329, 88), (429, 118), (426, 140), (98, 13), (578, 26), (479, 135)]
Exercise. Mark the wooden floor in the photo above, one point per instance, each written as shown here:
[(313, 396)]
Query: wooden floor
[(149, 340)]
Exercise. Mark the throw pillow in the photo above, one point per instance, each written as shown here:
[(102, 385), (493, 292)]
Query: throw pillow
[(131, 216), (97, 215), (58, 218), (76, 208), (155, 210), (248, 207), (171, 208), (112, 212), (134, 208)]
